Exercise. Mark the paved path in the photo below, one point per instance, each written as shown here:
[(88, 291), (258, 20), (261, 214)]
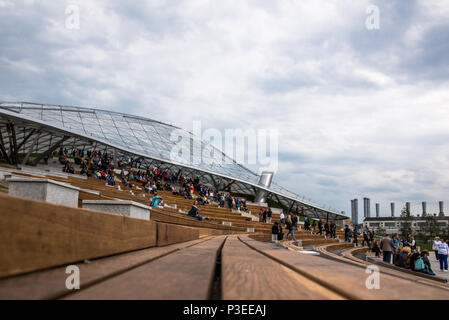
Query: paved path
[(436, 266)]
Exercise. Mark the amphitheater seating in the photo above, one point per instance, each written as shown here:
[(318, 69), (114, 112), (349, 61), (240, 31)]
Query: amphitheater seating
[(173, 216), (173, 256)]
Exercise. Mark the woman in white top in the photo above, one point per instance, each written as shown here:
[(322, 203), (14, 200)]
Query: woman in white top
[(443, 251), (282, 218), (436, 241)]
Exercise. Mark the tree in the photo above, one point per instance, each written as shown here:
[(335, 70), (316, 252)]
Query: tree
[(406, 223), (381, 232), (431, 228)]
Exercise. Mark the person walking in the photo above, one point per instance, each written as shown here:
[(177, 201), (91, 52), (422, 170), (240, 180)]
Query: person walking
[(443, 251), (294, 221), (327, 229), (289, 226), (333, 230)]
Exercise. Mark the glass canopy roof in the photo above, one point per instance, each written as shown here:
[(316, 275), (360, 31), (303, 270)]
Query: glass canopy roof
[(145, 137)]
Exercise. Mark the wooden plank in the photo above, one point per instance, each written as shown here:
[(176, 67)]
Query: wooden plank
[(36, 235), (50, 284), (249, 275), (346, 279), (170, 234), (184, 275)]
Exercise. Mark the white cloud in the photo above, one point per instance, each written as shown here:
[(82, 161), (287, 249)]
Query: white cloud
[(360, 113)]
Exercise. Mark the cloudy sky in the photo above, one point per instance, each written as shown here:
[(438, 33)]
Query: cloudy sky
[(359, 112)]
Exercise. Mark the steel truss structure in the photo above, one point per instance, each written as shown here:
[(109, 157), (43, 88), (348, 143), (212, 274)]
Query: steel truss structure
[(39, 129)]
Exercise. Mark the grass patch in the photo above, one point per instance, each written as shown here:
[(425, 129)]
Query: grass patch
[(424, 246)]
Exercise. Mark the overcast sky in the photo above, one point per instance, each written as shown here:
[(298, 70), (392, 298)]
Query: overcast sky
[(360, 112)]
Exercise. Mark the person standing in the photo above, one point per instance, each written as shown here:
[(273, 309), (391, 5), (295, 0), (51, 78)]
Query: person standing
[(387, 250), (371, 237), (436, 242), (280, 234), (282, 218), (412, 243), (365, 238), (261, 215), (355, 235), (275, 230), (395, 243), (269, 215), (347, 234), (264, 216), (320, 227), (443, 251), (306, 223)]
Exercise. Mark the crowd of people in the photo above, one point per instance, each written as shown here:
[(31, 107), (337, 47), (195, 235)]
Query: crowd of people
[(404, 253), (290, 223), (326, 228), (94, 164), (265, 215), (99, 165)]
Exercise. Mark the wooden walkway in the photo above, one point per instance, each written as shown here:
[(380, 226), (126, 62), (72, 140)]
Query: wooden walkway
[(227, 267)]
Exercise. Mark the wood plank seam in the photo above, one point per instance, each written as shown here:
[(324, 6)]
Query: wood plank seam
[(112, 275), (216, 284), (312, 277), (164, 278)]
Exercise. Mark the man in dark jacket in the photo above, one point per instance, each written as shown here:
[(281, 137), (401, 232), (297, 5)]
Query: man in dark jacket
[(269, 215), (355, 235), (333, 230), (371, 236), (327, 229), (347, 234), (365, 239), (275, 230), (193, 212), (306, 223), (280, 234)]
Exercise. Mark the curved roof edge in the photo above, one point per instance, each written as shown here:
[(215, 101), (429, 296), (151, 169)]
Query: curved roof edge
[(290, 196)]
